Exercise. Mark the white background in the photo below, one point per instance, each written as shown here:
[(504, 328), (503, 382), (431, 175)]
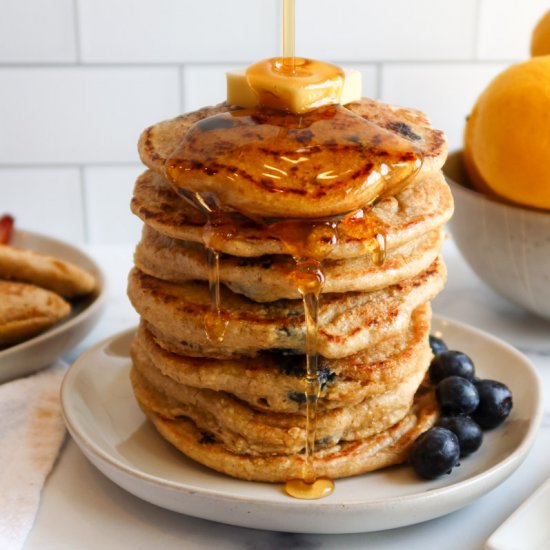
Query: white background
[(80, 79)]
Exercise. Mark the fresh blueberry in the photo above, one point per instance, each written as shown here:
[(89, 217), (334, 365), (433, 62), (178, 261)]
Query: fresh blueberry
[(495, 403), (434, 453), (456, 395), (437, 345), (451, 363), (468, 432)]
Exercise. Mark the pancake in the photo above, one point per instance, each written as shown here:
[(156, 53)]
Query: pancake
[(348, 322), (27, 310), (157, 143), (341, 460), (275, 381), (245, 430), (269, 278), (246, 145), (45, 271), (410, 214)]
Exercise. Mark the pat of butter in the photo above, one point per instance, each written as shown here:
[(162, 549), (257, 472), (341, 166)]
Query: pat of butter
[(295, 97)]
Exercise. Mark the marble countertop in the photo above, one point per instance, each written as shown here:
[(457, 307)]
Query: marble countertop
[(81, 509)]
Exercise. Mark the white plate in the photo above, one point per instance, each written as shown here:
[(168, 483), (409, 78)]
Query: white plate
[(105, 421), (527, 528), (42, 350)]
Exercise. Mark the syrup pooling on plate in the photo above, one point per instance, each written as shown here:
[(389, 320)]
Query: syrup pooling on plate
[(246, 163)]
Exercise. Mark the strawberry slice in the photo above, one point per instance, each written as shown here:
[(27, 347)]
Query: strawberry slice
[(6, 228)]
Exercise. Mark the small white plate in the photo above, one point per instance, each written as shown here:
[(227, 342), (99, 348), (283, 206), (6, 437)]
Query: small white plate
[(105, 421), (42, 350), (527, 528)]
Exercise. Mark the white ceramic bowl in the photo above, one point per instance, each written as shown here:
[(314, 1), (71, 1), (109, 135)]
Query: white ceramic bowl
[(507, 246), (42, 350)]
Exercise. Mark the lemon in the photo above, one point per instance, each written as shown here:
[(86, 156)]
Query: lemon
[(507, 136), (540, 38)]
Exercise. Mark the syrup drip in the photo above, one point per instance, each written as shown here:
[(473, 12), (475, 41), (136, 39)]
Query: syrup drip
[(288, 33), (214, 324), (309, 281), (216, 230)]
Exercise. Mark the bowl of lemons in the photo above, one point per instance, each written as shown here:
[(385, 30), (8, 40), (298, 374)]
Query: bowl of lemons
[(501, 181)]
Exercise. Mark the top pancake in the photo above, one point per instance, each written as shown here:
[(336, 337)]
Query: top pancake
[(237, 174)]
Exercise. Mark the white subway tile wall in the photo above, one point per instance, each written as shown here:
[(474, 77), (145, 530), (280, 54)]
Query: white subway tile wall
[(387, 31), (446, 91), (81, 115), (80, 79), (107, 192), (37, 31), (46, 200)]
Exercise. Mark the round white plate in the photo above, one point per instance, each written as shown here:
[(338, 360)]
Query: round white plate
[(105, 421), (42, 350)]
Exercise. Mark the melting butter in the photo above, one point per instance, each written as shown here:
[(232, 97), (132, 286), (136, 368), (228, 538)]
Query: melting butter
[(272, 82)]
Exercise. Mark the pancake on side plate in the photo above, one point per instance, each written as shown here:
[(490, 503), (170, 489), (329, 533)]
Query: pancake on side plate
[(27, 310), (45, 271)]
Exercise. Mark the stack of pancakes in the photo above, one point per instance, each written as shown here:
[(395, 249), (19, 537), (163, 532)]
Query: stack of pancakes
[(238, 405)]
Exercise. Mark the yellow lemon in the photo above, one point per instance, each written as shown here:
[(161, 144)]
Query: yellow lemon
[(540, 39), (507, 136)]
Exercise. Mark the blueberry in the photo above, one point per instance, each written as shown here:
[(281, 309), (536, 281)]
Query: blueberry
[(451, 363), (495, 403), (437, 345), (434, 453), (456, 395), (468, 432)]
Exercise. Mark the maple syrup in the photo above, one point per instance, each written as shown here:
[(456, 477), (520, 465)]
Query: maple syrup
[(320, 488), (289, 33), (216, 230), (245, 163), (266, 163)]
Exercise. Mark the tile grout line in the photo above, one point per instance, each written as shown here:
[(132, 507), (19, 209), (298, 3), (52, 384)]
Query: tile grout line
[(181, 80), (477, 31), (76, 24), (166, 65), (83, 202), (378, 88), (279, 28)]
